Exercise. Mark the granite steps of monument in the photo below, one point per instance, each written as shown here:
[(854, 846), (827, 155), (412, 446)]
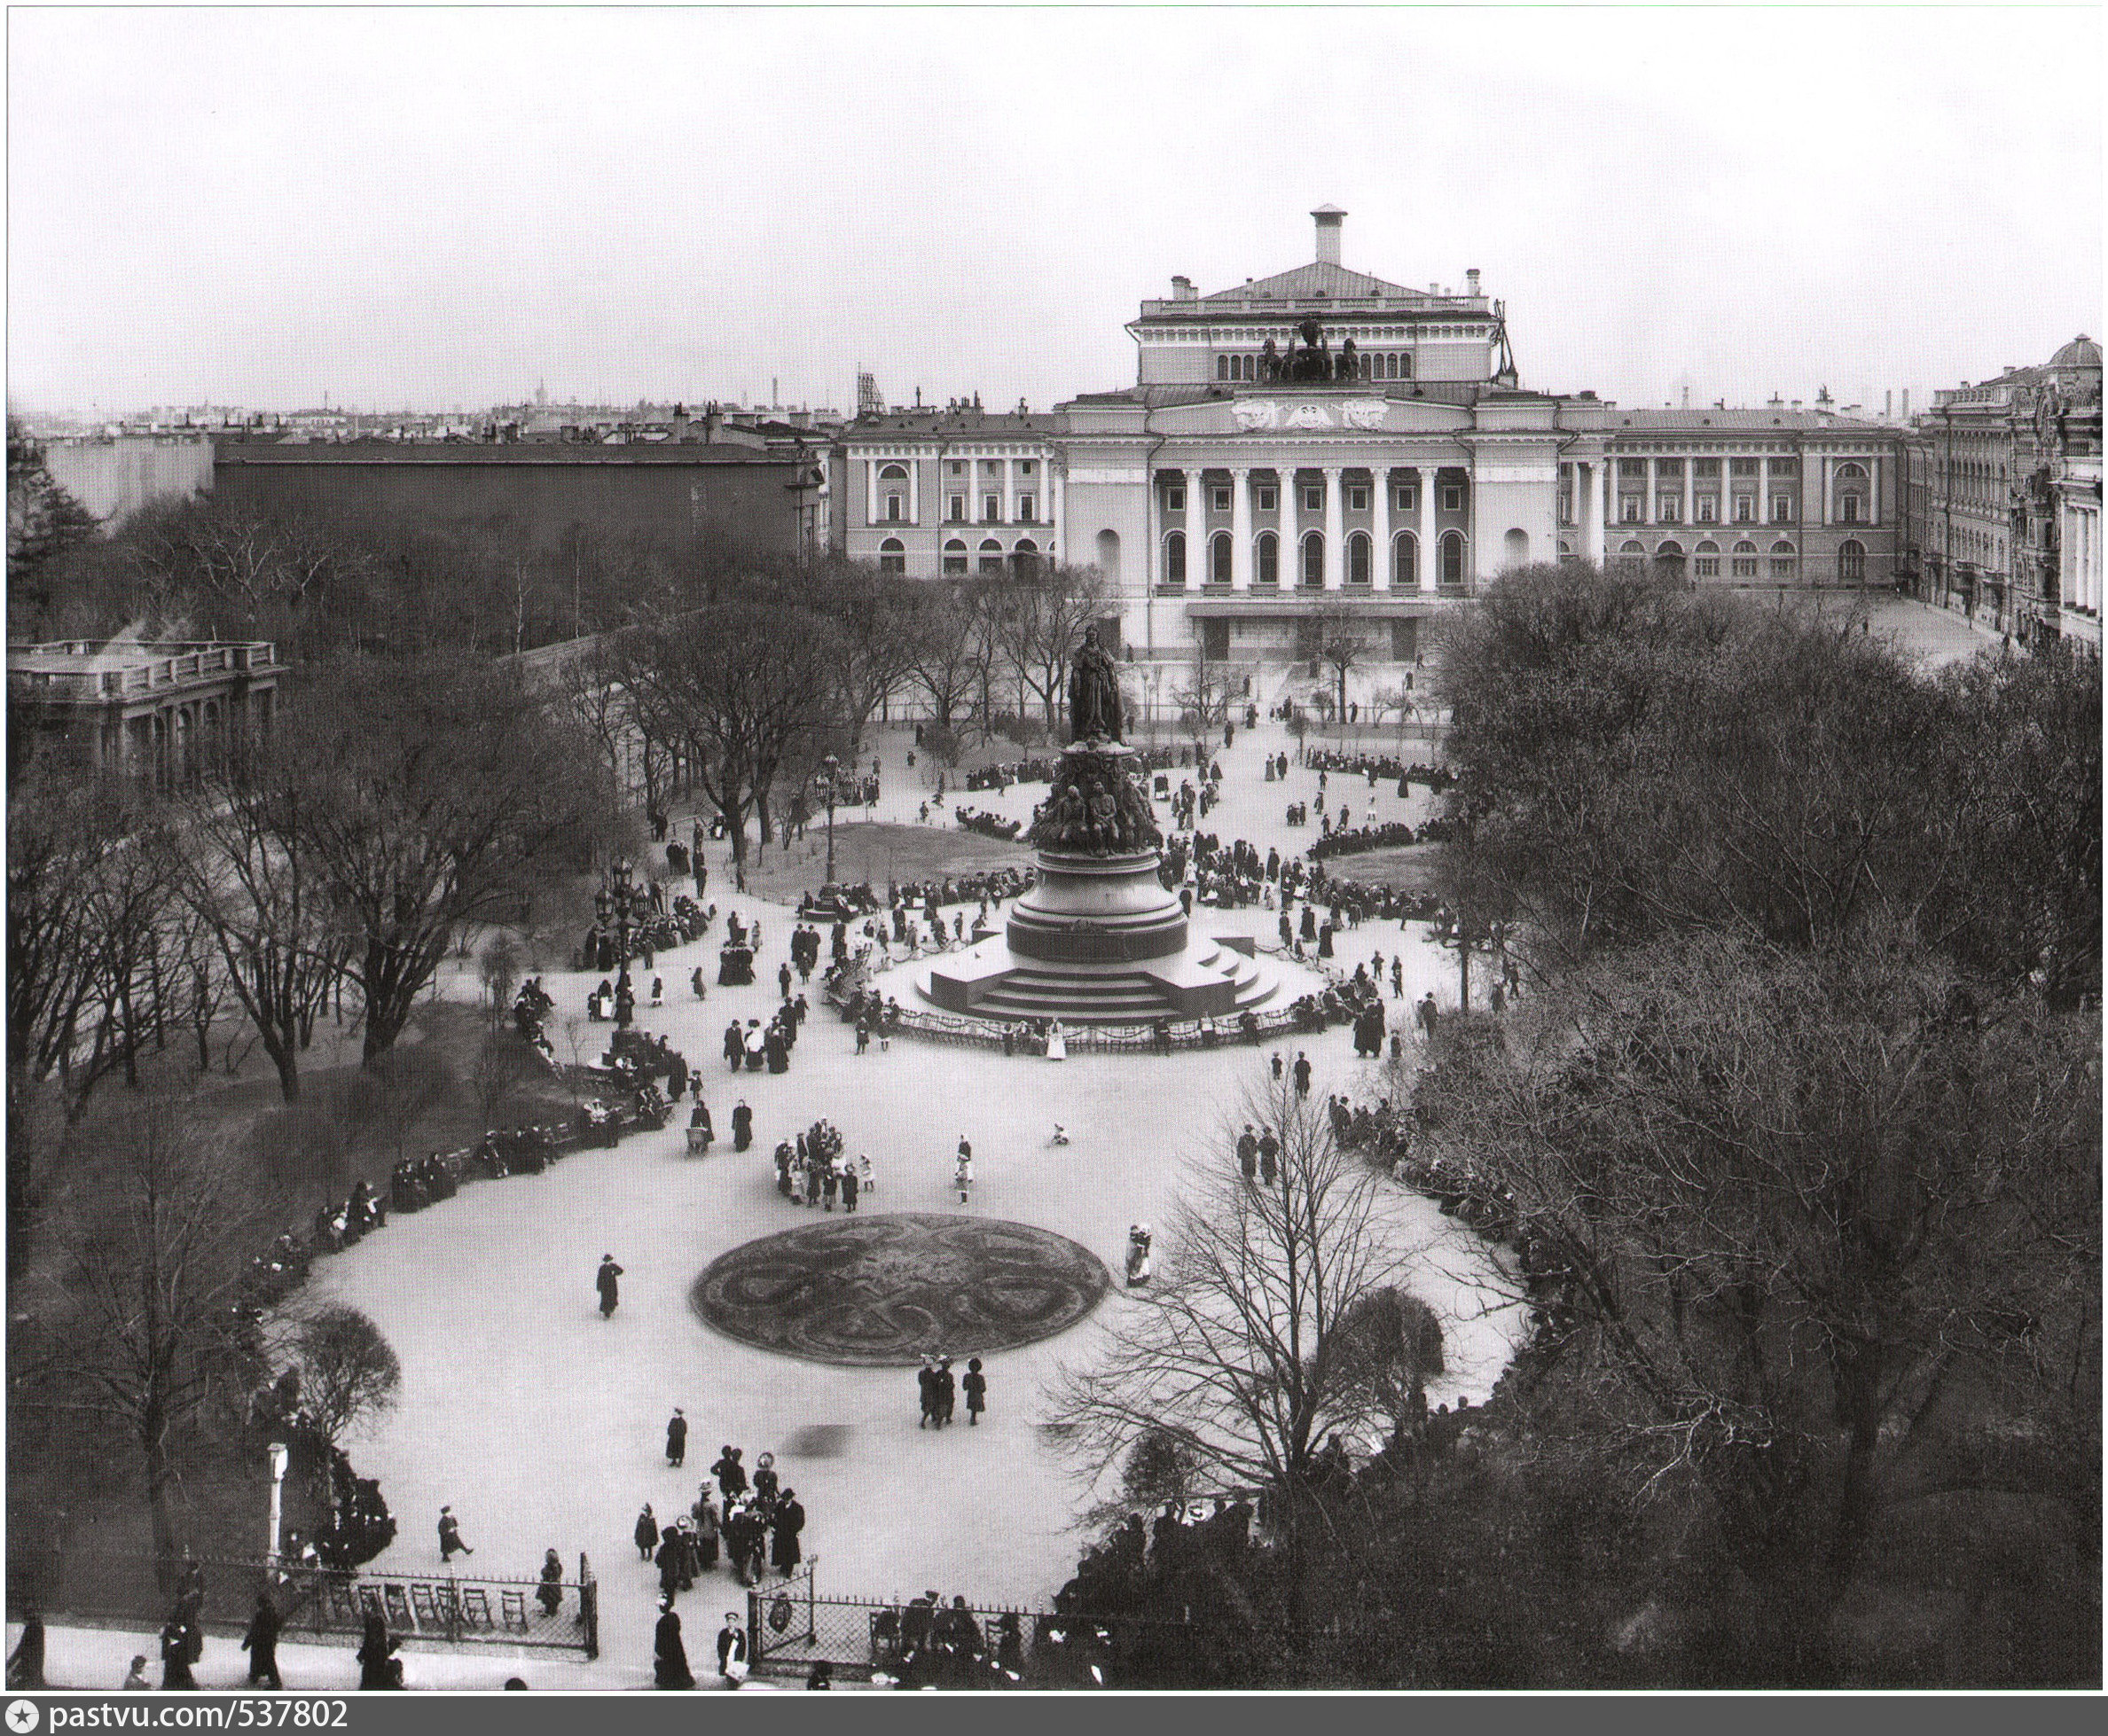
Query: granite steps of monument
[(1122, 996)]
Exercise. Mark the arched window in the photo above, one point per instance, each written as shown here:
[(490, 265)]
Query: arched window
[(1222, 367), (1405, 367), (1852, 491), (1358, 547), (1313, 559), (1174, 560), (892, 556), (955, 556), (1453, 557), (1781, 560), (1669, 557), (1565, 550), (1267, 548), (1707, 564), (991, 555), (1745, 559), (1219, 558), (1516, 548), (1630, 547), (892, 483), (1405, 561), (1025, 557), (1851, 563)]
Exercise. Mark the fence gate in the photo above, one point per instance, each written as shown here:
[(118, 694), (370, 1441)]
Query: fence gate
[(782, 1621)]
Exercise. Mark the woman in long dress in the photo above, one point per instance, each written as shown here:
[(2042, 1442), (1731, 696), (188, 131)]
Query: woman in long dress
[(1057, 1046)]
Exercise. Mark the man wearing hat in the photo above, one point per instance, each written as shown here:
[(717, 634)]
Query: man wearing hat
[(450, 1536), (604, 1281), (732, 1649), (677, 1437)]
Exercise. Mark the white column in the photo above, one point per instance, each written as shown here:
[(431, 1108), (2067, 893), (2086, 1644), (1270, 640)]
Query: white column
[(1056, 539), (1873, 464), (1689, 488), (1592, 512), (1010, 511), (1647, 511), (1379, 565), (1429, 566), (1197, 529), (1240, 528), (1336, 564), (1763, 493), (914, 490), (870, 491)]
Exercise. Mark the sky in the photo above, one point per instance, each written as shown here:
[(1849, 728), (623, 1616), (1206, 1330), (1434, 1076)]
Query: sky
[(430, 207)]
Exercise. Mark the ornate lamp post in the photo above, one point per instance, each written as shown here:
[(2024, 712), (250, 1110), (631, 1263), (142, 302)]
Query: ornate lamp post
[(833, 767), (618, 899)]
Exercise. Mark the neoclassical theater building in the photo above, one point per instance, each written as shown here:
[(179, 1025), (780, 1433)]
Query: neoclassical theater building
[(1323, 444)]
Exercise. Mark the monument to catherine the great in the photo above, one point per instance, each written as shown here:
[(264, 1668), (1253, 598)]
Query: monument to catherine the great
[(1099, 940)]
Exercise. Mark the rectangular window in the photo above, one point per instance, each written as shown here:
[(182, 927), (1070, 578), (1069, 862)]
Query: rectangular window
[(1024, 467), (1785, 466), (1781, 509), (1025, 503), (991, 509), (1222, 500), (1708, 509), (956, 511), (1408, 498), (1174, 500), (1848, 509), (1628, 509), (1453, 498), (895, 509), (1708, 565), (1745, 507), (1745, 566), (958, 467), (1669, 508), (1356, 500), (1313, 497), (1705, 467), (1742, 466), (1782, 566)]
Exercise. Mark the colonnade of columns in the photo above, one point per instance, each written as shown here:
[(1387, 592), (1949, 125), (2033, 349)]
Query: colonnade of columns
[(1290, 529)]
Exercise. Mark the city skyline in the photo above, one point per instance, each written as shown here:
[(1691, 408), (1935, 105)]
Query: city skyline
[(681, 207)]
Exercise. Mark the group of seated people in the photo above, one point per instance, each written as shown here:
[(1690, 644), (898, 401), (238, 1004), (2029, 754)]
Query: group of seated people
[(337, 1228), (1000, 778), (988, 825), (1349, 840), (419, 1181)]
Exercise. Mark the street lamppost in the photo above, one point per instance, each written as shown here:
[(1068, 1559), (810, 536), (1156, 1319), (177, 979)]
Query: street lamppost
[(833, 767), (279, 1455)]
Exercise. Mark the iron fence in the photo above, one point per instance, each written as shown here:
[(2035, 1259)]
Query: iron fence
[(442, 1609), (790, 1626)]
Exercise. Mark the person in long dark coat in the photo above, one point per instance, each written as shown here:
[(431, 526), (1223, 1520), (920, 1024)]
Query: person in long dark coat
[(669, 1653), (377, 1665), (731, 1645), (261, 1642), (25, 1663), (550, 1596), (677, 1437), (646, 1533), (735, 1045), (705, 1515), (788, 1521), (175, 1654), (926, 1380), (976, 1387), (729, 1473), (947, 1391), (742, 1127), (669, 1563), (604, 1281)]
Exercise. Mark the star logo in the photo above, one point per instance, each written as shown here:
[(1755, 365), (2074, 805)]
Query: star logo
[(22, 1716)]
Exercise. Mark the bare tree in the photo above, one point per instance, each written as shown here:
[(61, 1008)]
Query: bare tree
[(1236, 1352), (1336, 636), (158, 1338), (1203, 700), (1038, 617), (349, 1372), (501, 1068), (752, 692), (954, 645), (879, 619), (1800, 1207)]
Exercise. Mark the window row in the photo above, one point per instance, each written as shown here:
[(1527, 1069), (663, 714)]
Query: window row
[(1405, 496), (892, 556), (1361, 550), (1366, 364)]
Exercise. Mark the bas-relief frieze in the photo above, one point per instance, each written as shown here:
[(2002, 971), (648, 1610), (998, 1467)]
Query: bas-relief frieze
[(1265, 415)]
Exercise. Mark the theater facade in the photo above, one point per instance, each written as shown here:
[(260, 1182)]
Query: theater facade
[(1322, 447)]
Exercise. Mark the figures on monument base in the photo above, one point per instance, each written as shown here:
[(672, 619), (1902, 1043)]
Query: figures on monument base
[(1097, 808)]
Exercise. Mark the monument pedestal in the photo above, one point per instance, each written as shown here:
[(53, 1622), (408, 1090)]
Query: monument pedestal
[(1098, 940)]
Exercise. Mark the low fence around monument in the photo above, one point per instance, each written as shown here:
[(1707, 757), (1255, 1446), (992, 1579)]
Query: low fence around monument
[(1105, 1039), (791, 1627), (111, 1587)]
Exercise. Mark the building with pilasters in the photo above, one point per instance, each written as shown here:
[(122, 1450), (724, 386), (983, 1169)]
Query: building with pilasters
[(1324, 451)]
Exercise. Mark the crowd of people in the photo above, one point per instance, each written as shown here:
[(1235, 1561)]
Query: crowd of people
[(816, 1168), (987, 824)]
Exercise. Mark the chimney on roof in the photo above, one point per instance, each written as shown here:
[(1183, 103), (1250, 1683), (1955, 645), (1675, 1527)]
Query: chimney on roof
[(1328, 218), (1182, 289), (1471, 281), (1906, 403), (1888, 405)]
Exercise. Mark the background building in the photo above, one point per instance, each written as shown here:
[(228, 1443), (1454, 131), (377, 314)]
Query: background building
[(1986, 513), (1777, 496), (727, 495), (114, 475)]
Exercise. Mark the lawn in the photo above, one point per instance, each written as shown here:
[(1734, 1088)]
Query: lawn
[(877, 852)]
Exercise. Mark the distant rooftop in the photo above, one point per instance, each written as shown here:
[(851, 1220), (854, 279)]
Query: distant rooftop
[(1764, 419)]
